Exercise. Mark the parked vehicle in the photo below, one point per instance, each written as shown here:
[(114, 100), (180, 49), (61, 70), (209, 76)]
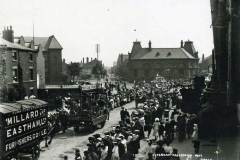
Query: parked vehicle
[(91, 111), (23, 125)]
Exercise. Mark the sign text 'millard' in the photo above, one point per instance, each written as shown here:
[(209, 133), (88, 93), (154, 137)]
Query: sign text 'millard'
[(18, 118)]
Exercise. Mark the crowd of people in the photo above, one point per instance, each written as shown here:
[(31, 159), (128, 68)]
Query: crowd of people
[(156, 122), (113, 96)]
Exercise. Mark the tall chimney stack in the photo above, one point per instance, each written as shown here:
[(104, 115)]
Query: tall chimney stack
[(7, 34)]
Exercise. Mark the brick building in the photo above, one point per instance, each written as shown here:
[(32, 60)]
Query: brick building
[(18, 67), (49, 59), (171, 63)]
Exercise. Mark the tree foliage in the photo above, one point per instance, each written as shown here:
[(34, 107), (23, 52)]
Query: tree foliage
[(98, 70), (74, 70)]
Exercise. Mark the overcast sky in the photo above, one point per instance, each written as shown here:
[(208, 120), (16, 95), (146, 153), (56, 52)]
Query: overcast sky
[(80, 24)]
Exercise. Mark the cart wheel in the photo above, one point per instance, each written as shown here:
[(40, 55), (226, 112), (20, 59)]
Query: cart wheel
[(36, 152)]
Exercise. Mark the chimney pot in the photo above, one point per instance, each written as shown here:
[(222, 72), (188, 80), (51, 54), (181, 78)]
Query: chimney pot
[(181, 43), (150, 45)]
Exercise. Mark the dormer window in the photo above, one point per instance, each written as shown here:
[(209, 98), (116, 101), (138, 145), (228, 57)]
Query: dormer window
[(169, 54), (157, 54)]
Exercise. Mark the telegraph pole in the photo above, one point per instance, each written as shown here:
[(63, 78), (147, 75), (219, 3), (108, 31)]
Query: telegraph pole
[(229, 53), (97, 51)]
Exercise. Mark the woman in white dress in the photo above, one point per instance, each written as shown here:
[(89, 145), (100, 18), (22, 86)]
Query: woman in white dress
[(115, 153), (156, 125)]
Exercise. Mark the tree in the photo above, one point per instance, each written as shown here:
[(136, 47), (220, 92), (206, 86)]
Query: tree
[(98, 70), (74, 70)]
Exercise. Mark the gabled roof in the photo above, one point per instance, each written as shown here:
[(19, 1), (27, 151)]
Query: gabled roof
[(162, 53), (13, 45), (37, 40), (46, 42), (54, 44)]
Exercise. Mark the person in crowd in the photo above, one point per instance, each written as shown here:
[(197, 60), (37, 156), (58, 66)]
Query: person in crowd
[(156, 125), (78, 155), (122, 114), (115, 152), (148, 121), (127, 156), (65, 157), (127, 115), (167, 148), (195, 139), (142, 126), (160, 150), (149, 151), (121, 147), (104, 151), (107, 112), (53, 130)]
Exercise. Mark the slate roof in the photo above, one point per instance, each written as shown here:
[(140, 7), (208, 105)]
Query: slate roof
[(37, 40), (46, 42), (162, 53), (13, 45)]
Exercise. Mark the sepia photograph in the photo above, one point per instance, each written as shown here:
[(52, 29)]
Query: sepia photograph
[(119, 80)]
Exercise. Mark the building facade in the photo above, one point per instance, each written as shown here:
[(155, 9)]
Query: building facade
[(49, 59), (206, 65), (121, 68), (18, 68), (171, 63)]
